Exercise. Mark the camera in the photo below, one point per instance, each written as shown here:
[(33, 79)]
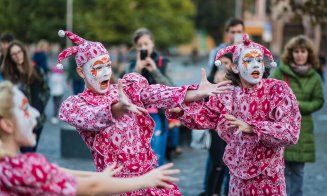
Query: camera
[(143, 54)]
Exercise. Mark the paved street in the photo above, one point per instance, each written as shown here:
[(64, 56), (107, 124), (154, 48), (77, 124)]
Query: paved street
[(192, 162)]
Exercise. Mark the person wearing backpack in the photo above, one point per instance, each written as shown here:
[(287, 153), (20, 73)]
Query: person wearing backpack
[(153, 67)]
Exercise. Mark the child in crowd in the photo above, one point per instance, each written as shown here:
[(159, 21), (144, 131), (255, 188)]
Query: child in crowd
[(33, 174), (57, 82)]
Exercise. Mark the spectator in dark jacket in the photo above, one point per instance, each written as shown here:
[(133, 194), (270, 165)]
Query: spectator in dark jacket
[(31, 80)]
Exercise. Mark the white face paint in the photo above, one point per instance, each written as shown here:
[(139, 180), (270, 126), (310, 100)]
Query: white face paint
[(97, 74), (25, 116), (251, 65)]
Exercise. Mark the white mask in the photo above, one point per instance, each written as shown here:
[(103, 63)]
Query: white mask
[(251, 65), (97, 74), (25, 116)]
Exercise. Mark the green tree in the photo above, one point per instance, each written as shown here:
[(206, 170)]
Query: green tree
[(212, 16), (110, 22), (45, 19), (316, 9), (170, 21), (116, 20), (11, 19)]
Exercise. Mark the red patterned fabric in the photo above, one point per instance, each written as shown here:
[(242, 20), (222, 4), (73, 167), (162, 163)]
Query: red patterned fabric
[(125, 140), (84, 51), (272, 109), (32, 174), (239, 48)]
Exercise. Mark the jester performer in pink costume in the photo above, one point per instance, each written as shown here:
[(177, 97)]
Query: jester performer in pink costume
[(257, 120), (112, 119)]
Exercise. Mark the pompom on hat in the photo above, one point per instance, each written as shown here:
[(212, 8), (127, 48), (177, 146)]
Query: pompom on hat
[(236, 50), (84, 50)]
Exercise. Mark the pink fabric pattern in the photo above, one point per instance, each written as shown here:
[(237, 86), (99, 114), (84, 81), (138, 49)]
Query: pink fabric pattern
[(84, 51), (239, 48), (255, 160), (32, 174), (125, 140)]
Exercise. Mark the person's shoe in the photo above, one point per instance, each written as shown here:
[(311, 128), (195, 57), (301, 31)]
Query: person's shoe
[(202, 193), (178, 151), (54, 120)]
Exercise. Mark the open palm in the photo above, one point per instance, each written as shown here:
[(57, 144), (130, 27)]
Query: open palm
[(126, 105), (209, 89)]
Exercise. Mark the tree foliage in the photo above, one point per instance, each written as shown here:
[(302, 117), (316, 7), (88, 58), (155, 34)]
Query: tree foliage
[(110, 22), (316, 9), (212, 16)]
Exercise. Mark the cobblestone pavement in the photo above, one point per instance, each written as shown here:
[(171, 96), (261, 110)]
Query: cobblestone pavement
[(192, 162)]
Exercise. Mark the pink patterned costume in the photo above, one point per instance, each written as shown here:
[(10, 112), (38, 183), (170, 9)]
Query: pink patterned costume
[(32, 174), (125, 140), (255, 160)]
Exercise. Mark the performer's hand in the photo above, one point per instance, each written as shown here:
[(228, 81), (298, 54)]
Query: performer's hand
[(124, 103), (160, 176), (240, 125), (111, 170), (2, 152), (175, 110), (207, 89)]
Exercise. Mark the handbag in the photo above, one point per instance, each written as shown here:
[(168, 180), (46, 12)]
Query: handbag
[(201, 139)]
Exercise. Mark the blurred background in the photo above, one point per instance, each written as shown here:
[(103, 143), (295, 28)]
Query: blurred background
[(185, 31), (181, 27)]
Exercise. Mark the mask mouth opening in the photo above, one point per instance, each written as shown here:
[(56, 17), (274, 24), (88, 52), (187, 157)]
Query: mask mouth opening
[(255, 74), (104, 84)]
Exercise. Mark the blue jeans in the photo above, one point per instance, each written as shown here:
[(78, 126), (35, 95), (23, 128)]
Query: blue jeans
[(294, 178), (173, 134), (206, 172), (159, 138)]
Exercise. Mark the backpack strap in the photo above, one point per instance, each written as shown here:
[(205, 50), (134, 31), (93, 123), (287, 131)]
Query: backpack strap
[(287, 80), (160, 61)]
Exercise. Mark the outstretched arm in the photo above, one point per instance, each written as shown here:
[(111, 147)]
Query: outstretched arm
[(80, 114), (206, 117), (104, 183), (161, 96)]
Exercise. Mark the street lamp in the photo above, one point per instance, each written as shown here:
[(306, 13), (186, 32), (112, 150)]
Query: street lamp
[(69, 20), (238, 8)]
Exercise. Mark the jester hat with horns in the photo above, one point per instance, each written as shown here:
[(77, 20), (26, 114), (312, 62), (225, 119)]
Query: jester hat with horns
[(84, 50), (236, 50)]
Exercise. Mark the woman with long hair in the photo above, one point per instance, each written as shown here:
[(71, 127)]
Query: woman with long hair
[(299, 70), (30, 80)]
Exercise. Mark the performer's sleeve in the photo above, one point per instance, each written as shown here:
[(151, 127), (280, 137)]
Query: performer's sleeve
[(204, 118), (80, 114), (66, 183), (33, 174), (158, 95), (284, 125)]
